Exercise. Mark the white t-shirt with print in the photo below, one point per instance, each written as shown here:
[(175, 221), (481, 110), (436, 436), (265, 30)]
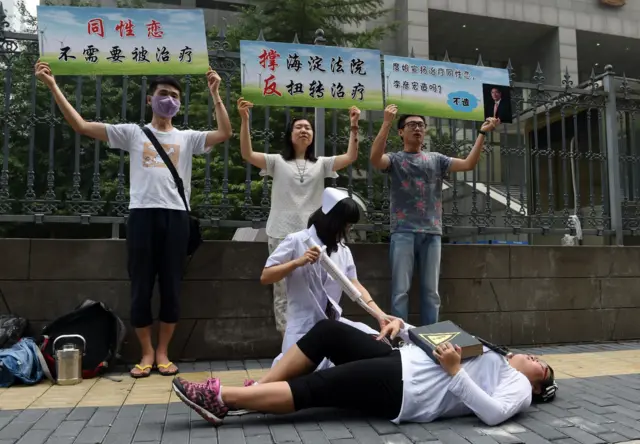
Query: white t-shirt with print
[(151, 183), (292, 202)]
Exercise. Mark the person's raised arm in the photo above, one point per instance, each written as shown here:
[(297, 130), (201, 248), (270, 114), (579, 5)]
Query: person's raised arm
[(258, 160), (275, 273), (346, 159), (470, 162), (377, 157), (95, 130), (507, 400), (224, 130)]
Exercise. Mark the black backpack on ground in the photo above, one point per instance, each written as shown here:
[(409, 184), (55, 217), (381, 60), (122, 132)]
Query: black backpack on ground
[(100, 327), (12, 328)]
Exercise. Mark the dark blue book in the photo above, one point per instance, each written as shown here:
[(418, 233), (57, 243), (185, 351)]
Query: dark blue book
[(428, 337)]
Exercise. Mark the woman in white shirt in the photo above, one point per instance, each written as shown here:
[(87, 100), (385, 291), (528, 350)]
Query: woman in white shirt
[(298, 180), (402, 385), (313, 295)]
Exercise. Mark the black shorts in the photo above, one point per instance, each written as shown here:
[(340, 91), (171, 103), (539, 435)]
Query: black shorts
[(367, 375), (157, 248)]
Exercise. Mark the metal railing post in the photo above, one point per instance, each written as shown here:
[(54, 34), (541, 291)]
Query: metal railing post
[(613, 155), (319, 121)]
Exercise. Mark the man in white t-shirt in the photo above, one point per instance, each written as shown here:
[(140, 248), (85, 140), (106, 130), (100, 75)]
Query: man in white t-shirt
[(158, 223)]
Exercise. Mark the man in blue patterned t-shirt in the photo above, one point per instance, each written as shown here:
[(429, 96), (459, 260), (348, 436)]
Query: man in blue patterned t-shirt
[(416, 208)]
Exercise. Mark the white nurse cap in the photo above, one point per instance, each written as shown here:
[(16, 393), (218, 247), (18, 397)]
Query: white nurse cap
[(330, 197)]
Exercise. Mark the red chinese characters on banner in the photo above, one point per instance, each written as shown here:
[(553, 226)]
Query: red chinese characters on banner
[(125, 28), (271, 87), (269, 59), (95, 26), (154, 30)]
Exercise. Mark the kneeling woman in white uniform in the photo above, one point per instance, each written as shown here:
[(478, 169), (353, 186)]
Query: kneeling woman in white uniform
[(312, 294), (402, 385)]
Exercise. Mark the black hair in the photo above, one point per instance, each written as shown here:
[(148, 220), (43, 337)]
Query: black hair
[(332, 227), (288, 153), (164, 80), (402, 119), (548, 387)]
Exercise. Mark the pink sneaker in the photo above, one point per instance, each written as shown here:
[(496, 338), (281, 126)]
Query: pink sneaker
[(203, 398), (249, 382)]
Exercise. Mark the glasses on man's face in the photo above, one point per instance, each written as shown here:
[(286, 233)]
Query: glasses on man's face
[(415, 125)]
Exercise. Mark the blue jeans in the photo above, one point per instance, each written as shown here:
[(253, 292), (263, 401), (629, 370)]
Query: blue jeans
[(406, 251), (20, 363)]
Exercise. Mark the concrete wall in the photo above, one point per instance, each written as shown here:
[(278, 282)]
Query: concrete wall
[(510, 295), (567, 15), (586, 15), (546, 52)]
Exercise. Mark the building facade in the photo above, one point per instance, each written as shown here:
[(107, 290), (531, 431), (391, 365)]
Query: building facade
[(573, 35)]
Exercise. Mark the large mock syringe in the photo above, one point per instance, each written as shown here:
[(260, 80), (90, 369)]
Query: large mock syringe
[(347, 286)]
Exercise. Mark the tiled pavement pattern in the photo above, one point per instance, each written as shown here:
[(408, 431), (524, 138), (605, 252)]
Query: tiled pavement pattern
[(598, 402)]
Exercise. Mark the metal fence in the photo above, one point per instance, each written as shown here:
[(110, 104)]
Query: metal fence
[(571, 150)]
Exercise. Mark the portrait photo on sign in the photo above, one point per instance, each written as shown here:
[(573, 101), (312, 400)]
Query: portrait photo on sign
[(497, 102)]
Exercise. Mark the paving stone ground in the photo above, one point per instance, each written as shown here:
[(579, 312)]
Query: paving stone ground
[(598, 402)]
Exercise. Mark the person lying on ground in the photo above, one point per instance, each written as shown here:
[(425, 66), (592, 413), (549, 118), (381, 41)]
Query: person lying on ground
[(400, 384)]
